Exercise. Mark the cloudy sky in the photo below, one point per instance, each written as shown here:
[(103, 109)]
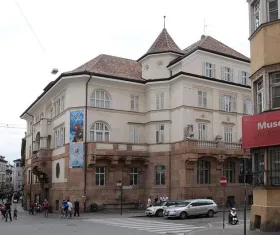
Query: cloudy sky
[(71, 32)]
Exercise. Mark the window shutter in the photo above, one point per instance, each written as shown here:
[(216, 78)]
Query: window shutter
[(213, 70), (233, 104), (222, 73), (221, 102), (132, 102), (240, 77), (205, 99), (131, 134), (136, 135), (162, 133), (157, 101), (162, 100), (231, 75), (204, 69), (245, 106), (199, 98), (157, 133), (136, 103), (249, 80)]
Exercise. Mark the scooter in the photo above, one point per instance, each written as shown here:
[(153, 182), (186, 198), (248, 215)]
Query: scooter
[(232, 217)]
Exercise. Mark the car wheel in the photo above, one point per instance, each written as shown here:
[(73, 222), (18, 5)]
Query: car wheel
[(183, 215), (159, 213), (210, 213)]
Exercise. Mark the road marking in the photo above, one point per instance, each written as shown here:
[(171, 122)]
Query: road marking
[(147, 225)]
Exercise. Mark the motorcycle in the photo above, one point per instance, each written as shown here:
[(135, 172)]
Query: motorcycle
[(232, 217)]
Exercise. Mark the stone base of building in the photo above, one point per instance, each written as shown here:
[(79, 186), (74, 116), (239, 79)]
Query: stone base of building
[(265, 213)]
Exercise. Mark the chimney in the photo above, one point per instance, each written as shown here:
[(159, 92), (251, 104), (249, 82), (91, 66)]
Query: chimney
[(203, 36)]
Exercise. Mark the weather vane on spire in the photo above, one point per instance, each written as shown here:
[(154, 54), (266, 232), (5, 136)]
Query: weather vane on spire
[(164, 21)]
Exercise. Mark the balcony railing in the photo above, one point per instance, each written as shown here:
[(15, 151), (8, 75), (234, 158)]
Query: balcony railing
[(207, 144), (231, 145), (269, 178)]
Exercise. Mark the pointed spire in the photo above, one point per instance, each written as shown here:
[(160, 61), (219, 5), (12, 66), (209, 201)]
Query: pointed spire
[(163, 43)]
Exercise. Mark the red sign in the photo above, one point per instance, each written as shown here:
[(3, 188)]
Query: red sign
[(223, 181), (261, 130)]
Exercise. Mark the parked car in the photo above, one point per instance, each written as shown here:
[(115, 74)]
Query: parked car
[(194, 207), (158, 208)]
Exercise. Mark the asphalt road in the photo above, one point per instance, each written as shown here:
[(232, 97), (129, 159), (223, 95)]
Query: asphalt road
[(91, 224)]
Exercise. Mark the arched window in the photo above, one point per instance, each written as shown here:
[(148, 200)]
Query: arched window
[(203, 172), (229, 171), (99, 131), (100, 99)]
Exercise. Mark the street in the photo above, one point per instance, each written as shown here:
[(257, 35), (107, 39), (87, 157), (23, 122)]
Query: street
[(111, 223)]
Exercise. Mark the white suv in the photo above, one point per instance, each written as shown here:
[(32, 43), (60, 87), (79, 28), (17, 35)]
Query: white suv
[(158, 208)]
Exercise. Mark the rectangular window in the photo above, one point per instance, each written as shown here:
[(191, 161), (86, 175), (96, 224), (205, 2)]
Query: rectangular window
[(19, 174), (59, 137), (160, 175), (260, 97), (209, 70), (134, 134), (228, 133), (100, 176), (229, 171), (160, 101), (256, 14), (58, 106), (227, 103), (272, 8), (247, 106), (244, 78), (275, 90), (202, 131), (41, 115), (227, 74), (134, 103), (202, 99), (37, 118), (61, 103), (160, 133), (134, 176)]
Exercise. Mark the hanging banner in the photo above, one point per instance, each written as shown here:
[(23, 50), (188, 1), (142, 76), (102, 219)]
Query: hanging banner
[(76, 142)]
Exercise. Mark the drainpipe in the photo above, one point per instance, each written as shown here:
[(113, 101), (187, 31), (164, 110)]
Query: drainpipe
[(31, 153), (86, 146)]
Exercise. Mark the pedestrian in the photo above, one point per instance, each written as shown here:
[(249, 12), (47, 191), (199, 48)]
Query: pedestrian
[(149, 204), (70, 206), (31, 207), (8, 206), (156, 199), (76, 208)]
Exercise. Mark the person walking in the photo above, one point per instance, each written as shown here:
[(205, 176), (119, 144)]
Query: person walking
[(8, 208), (70, 206), (76, 208)]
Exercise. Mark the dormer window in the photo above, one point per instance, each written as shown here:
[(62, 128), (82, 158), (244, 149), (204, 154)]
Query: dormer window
[(257, 14), (209, 70), (272, 10)]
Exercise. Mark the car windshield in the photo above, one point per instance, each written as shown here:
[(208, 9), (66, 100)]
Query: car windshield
[(160, 204), (183, 203)]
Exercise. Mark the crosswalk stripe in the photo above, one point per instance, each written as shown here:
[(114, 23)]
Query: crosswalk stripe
[(147, 225)]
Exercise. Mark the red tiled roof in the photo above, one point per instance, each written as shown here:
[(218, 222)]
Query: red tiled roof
[(212, 45), (112, 66), (163, 43)]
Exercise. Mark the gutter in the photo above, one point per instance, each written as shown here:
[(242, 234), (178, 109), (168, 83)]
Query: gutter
[(86, 146), (31, 154)]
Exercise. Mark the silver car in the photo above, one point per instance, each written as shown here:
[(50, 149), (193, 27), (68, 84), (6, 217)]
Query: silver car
[(192, 207)]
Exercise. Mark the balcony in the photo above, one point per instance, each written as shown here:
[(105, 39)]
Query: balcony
[(209, 147), (266, 179)]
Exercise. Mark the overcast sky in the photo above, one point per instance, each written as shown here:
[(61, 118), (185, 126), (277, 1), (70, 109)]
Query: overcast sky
[(72, 32)]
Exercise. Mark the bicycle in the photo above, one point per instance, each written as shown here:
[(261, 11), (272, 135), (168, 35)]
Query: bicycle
[(63, 213)]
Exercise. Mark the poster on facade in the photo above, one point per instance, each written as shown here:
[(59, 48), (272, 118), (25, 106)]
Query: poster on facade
[(76, 142)]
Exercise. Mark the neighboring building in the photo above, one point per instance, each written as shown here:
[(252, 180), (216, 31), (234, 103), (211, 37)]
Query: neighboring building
[(168, 123), (17, 175), (261, 132), (3, 168)]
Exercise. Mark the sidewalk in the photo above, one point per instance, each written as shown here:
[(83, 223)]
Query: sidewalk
[(238, 230)]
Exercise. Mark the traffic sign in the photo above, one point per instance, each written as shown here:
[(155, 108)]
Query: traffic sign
[(223, 181)]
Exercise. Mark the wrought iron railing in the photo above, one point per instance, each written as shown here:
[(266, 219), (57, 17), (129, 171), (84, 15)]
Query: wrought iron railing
[(269, 178)]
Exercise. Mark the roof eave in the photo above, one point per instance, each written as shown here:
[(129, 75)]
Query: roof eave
[(76, 74), (159, 52), (206, 50)]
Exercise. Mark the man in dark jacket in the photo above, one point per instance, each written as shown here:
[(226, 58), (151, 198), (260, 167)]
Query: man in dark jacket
[(76, 208), (8, 207)]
